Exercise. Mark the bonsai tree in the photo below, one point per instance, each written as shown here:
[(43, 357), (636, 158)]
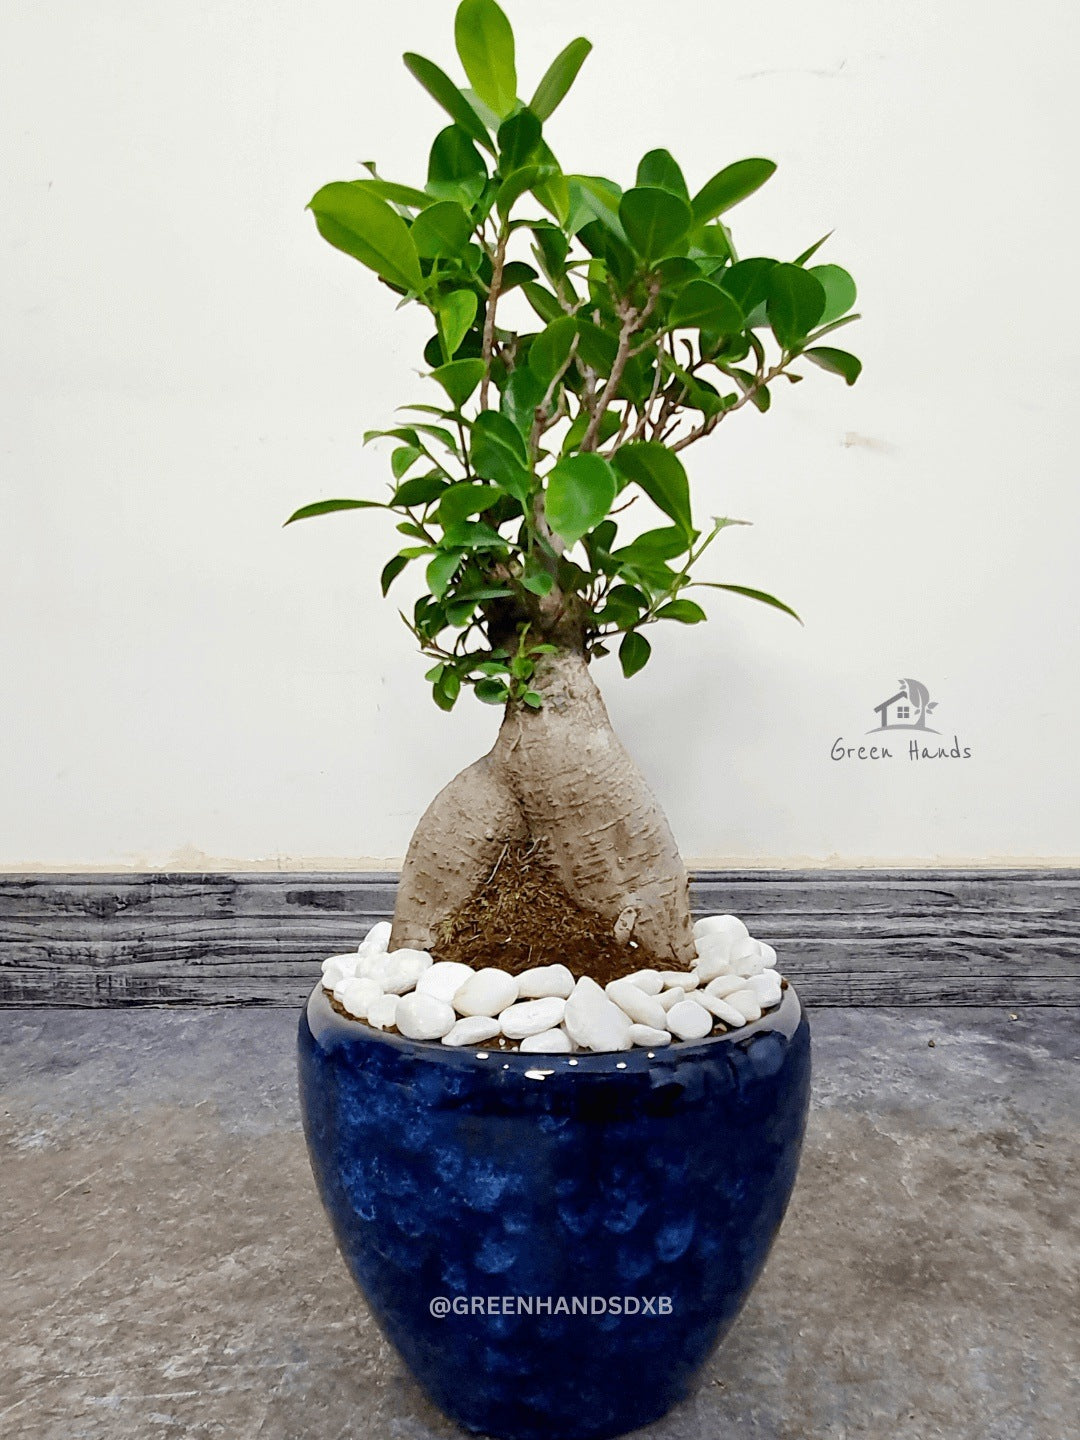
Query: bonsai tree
[(584, 337)]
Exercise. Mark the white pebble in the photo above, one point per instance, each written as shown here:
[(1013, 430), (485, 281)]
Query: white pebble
[(651, 981), (382, 1013), (728, 928), (746, 1002), (594, 1021), (747, 959), (337, 968), (679, 979), (689, 1020), (358, 994), (544, 980), (767, 988), (720, 1008), (725, 985), (642, 1009), (488, 992), (709, 967), (422, 1017), (374, 964), (443, 979), (472, 1029), (768, 954), (648, 1037), (532, 1017), (378, 937), (672, 997), (403, 970), (548, 1042)]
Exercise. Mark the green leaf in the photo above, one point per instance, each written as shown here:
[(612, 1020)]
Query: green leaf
[(839, 289), (515, 273), (420, 490), (660, 474), (327, 507), (747, 282), (663, 543), (443, 90), (839, 362), (654, 220), (457, 311), (795, 304), (521, 394), (391, 570), (538, 582), (459, 379), (443, 229), (543, 302), (460, 501), (447, 688), (701, 305), (441, 571), (549, 350), (485, 44), (729, 186), (473, 535), (354, 220), (596, 347), (403, 457), (687, 612), (751, 595), (491, 691), (659, 169), (592, 197), (634, 652), (580, 489), (811, 250), (559, 76), (456, 169), (519, 137), (516, 184), (533, 699), (396, 194), (610, 422)]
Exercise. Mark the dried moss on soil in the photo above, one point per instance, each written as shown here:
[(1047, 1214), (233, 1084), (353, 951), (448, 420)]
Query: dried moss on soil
[(521, 916)]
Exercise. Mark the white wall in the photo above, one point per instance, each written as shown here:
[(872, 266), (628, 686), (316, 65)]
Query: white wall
[(183, 363)]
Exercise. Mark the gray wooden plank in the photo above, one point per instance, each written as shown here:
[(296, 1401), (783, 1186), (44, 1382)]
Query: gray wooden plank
[(865, 937)]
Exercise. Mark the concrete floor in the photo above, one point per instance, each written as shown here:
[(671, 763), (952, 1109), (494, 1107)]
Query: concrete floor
[(168, 1271)]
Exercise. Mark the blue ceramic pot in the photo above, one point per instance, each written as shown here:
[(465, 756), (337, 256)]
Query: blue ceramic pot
[(642, 1188)]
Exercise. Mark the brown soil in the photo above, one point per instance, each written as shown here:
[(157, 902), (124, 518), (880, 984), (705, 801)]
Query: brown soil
[(522, 916)]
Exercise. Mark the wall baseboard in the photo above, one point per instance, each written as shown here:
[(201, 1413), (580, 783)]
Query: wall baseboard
[(862, 937)]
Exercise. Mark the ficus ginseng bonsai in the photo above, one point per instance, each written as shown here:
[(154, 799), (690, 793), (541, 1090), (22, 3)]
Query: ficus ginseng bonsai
[(549, 437)]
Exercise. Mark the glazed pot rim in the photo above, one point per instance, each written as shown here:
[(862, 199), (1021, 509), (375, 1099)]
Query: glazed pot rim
[(331, 1030)]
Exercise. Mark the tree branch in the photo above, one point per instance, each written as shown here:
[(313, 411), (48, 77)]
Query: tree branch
[(489, 314), (632, 320)]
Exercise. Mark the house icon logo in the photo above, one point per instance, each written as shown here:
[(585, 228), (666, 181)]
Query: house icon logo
[(906, 710)]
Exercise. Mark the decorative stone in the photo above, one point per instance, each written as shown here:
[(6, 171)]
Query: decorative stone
[(747, 959), (648, 1037), (336, 968), (725, 985), (403, 970), (768, 954), (651, 981), (766, 986), (383, 1012), (720, 1008), (487, 992), (642, 1009), (532, 1017), (544, 980), (375, 964), (746, 1002), (684, 980), (719, 929), (689, 1021), (710, 965), (671, 997), (358, 994), (548, 1042), (377, 938), (471, 1029), (422, 1017), (444, 979), (593, 1021)]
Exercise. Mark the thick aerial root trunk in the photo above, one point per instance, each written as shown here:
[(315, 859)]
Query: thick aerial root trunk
[(558, 776)]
